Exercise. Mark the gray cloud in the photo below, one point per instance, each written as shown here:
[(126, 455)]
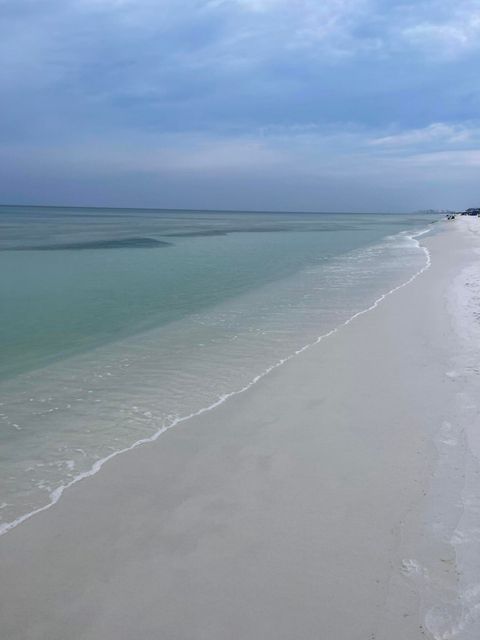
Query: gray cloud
[(344, 101)]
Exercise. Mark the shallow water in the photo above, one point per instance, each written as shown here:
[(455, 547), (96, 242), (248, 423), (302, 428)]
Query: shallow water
[(107, 335)]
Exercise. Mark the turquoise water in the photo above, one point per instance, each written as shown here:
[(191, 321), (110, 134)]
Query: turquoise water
[(115, 323)]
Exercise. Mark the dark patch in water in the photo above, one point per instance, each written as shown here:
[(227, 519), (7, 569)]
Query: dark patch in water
[(262, 230), (223, 232), (195, 234), (124, 243)]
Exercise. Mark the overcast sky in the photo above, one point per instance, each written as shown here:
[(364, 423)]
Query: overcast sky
[(333, 105)]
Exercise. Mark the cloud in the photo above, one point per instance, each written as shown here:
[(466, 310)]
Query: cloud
[(437, 133), (297, 167), (293, 92), (451, 30), (295, 149)]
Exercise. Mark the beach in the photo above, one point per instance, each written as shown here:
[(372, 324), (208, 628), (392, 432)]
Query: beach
[(315, 504)]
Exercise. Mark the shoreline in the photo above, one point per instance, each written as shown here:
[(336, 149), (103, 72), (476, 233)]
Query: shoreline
[(286, 512), (58, 492)]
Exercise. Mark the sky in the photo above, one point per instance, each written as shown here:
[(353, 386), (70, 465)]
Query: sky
[(334, 105)]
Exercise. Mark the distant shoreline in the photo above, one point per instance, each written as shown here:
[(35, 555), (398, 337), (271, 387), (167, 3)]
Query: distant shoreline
[(186, 210)]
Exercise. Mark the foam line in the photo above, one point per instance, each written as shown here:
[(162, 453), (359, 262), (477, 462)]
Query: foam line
[(57, 493)]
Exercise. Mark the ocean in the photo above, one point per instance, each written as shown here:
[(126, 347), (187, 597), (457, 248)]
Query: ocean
[(117, 324)]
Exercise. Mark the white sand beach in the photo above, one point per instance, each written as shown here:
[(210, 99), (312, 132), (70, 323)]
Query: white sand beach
[(311, 506)]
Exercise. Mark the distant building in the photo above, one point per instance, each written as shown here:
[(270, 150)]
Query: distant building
[(472, 211), (434, 211)]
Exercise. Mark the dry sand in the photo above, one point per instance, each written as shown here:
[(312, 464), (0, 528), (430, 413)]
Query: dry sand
[(282, 514)]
